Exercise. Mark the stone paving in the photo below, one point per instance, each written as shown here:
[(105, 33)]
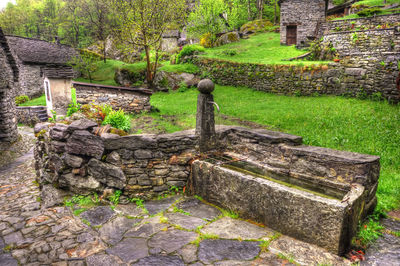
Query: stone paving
[(176, 230)]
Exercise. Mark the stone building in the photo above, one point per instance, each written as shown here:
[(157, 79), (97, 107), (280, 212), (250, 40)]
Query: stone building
[(300, 20), (8, 79), (33, 57)]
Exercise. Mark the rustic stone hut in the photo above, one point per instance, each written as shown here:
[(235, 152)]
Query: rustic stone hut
[(170, 40), (33, 57), (8, 79), (300, 20)]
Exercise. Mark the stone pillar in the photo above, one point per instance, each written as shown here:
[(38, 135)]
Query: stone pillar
[(205, 123)]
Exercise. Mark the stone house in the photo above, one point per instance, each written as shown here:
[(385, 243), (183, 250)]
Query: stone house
[(8, 79), (300, 20), (33, 57)]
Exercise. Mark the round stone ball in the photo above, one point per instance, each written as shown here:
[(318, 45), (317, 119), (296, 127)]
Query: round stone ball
[(206, 86)]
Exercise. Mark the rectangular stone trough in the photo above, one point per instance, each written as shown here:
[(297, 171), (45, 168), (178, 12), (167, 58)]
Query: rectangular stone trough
[(315, 210)]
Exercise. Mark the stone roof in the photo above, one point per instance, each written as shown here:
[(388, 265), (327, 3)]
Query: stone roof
[(171, 34), (33, 51), (59, 72), (10, 58)]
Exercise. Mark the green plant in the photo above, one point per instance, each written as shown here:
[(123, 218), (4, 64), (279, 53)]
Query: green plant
[(188, 50), (377, 96), (114, 198), (53, 117), (118, 119), (382, 63), (139, 202), (73, 107), (229, 52), (368, 232), (354, 37), (21, 99), (368, 12), (182, 87)]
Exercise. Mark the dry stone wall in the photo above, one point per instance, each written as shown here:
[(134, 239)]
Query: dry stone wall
[(31, 80), (356, 75), (130, 100), (8, 79)]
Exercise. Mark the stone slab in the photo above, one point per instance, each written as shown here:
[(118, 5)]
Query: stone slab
[(212, 250), (199, 209), (156, 206), (229, 228), (158, 260), (99, 215), (185, 221), (113, 231), (146, 228), (171, 240), (130, 249)]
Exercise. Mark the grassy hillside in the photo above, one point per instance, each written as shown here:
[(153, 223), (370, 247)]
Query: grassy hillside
[(334, 122), (263, 48)]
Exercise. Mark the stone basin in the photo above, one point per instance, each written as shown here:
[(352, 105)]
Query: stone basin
[(317, 211)]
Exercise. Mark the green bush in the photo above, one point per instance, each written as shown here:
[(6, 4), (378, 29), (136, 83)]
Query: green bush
[(189, 50), (368, 12), (118, 119), (21, 99), (229, 52), (74, 106)]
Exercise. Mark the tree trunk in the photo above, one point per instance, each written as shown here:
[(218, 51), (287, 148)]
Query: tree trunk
[(104, 51), (149, 77), (275, 18), (248, 10)]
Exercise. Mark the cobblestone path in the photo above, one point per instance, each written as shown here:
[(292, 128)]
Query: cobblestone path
[(172, 231)]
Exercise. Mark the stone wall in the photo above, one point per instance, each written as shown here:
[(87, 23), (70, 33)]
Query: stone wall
[(307, 15), (8, 79), (375, 42), (74, 158), (31, 80), (387, 21), (354, 76), (132, 100), (31, 115)]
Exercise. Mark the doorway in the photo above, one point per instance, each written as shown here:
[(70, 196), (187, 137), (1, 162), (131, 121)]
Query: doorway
[(291, 35), (47, 92)]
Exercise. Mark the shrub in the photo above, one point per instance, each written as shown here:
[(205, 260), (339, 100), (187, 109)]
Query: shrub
[(21, 99), (368, 12), (188, 50), (229, 52), (118, 119), (182, 87), (206, 40), (74, 106)]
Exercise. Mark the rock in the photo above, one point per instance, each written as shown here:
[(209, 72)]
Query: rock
[(206, 86), (188, 253), (189, 79), (385, 251), (113, 231), (355, 71), (78, 184), (211, 250), (51, 196), (59, 132), (185, 221), (101, 260), (143, 154), (198, 209), (126, 77), (160, 260), (254, 26), (171, 240), (77, 116), (227, 38), (83, 143), (147, 228), (108, 174), (130, 249), (163, 81), (99, 215), (229, 228), (57, 146), (41, 126), (72, 161), (113, 158), (156, 206), (82, 124)]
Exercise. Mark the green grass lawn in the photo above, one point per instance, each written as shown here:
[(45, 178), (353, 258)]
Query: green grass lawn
[(372, 3), (263, 48), (40, 101), (334, 122)]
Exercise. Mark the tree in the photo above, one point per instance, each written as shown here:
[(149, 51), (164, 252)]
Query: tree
[(141, 23), (85, 63), (206, 18)]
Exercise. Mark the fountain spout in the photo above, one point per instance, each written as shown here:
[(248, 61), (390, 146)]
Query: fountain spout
[(205, 122)]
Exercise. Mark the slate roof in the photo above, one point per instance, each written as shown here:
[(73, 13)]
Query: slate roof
[(59, 72), (10, 58), (33, 51)]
